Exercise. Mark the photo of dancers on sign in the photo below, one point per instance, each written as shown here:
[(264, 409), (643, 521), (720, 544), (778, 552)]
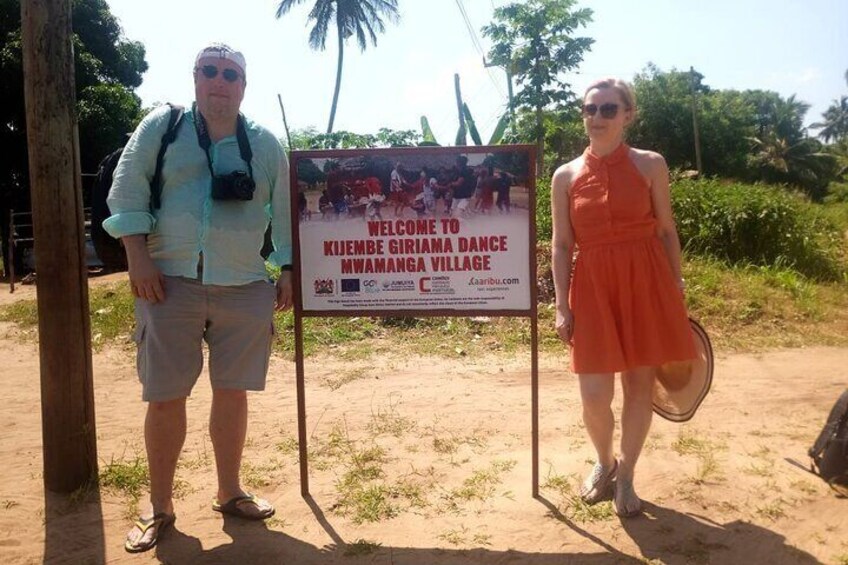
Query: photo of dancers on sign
[(412, 183)]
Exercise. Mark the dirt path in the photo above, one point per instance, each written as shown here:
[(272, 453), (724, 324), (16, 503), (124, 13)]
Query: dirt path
[(438, 453)]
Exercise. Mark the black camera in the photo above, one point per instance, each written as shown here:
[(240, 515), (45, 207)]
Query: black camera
[(238, 185)]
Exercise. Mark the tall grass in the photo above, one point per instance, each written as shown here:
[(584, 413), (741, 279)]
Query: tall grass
[(755, 224), (748, 224)]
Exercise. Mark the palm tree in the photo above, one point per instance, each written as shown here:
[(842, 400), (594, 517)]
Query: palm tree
[(363, 18), (801, 162), (835, 124)]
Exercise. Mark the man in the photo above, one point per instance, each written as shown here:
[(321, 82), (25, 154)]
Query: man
[(463, 187), (503, 187), (197, 274)]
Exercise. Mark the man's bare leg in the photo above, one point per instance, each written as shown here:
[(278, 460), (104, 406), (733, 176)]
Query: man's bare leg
[(164, 435), (228, 428)]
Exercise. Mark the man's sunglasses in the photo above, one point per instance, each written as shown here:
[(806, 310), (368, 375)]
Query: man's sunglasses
[(608, 111), (211, 71)]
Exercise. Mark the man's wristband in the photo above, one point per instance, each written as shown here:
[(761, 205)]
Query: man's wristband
[(286, 268)]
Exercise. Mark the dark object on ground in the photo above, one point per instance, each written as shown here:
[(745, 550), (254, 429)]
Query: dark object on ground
[(829, 453)]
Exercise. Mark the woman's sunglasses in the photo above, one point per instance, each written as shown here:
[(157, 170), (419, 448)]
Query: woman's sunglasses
[(211, 71), (608, 111)]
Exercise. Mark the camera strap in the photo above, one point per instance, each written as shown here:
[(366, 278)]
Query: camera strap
[(205, 141)]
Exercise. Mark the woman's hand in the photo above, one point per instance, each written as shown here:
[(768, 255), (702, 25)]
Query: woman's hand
[(565, 325)]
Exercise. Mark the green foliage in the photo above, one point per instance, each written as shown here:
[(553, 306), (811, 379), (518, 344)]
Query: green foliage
[(500, 130), (544, 221), (309, 138), (535, 42), (427, 134), (782, 152), (664, 121), (108, 68), (835, 123), (565, 136), (387, 137), (129, 477), (472, 127), (837, 192), (106, 112), (752, 135), (112, 313), (759, 225)]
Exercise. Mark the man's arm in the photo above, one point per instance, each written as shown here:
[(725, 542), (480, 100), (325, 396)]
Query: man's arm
[(129, 197)]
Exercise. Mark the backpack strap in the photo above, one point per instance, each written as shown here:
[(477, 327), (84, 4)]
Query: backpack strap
[(174, 121)]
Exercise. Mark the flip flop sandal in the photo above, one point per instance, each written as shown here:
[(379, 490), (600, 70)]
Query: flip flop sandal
[(628, 492), (600, 484), (233, 507), (160, 521)]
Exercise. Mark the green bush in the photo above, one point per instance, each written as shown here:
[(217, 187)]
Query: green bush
[(757, 225), (544, 228), (837, 192)]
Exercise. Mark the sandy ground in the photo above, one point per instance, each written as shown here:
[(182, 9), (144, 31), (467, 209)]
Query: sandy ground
[(445, 446)]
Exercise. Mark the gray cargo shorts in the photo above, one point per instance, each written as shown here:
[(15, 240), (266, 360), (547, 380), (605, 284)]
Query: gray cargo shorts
[(237, 323)]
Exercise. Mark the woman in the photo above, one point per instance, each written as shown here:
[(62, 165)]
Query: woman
[(621, 308)]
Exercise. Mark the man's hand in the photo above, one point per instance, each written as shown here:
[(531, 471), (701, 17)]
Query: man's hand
[(146, 280), (285, 294)]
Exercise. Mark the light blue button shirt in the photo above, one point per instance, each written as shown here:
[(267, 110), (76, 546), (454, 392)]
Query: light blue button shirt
[(229, 234)]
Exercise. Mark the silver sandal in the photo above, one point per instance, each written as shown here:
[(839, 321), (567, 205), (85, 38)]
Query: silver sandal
[(598, 485)]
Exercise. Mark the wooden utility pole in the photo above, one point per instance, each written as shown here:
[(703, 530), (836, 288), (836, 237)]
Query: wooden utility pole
[(695, 121), (67, 396)]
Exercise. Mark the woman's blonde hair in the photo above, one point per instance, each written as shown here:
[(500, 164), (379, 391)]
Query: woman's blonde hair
[(625, 91)]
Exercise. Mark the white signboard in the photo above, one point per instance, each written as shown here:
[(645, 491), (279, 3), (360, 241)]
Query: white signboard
[(417, 231)]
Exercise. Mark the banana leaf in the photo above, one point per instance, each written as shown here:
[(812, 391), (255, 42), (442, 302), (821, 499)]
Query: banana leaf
[(500, 130), (472, 127), (427, 134)]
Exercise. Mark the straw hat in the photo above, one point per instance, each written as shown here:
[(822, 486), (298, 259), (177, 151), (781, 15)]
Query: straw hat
[(681, 386)]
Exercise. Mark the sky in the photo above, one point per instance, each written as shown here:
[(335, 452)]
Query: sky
[(789, 46)]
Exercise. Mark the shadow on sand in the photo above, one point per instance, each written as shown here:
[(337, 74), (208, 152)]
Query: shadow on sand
[(662, 534), (677, 538), (73, 527)]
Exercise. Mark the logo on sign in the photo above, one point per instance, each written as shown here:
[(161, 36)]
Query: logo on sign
[(325, 286), (435, 285), (371, 285), (350, 285), (399, 285)]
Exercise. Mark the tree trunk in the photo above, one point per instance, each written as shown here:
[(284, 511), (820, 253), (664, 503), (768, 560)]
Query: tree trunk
[(540, 143), (460, 134), (338, 81), (64, 333)]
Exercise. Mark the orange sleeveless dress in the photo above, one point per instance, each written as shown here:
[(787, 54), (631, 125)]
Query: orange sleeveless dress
[(628, 310)]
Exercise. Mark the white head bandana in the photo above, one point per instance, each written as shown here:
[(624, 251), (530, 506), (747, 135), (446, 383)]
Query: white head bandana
[(222, 51)]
